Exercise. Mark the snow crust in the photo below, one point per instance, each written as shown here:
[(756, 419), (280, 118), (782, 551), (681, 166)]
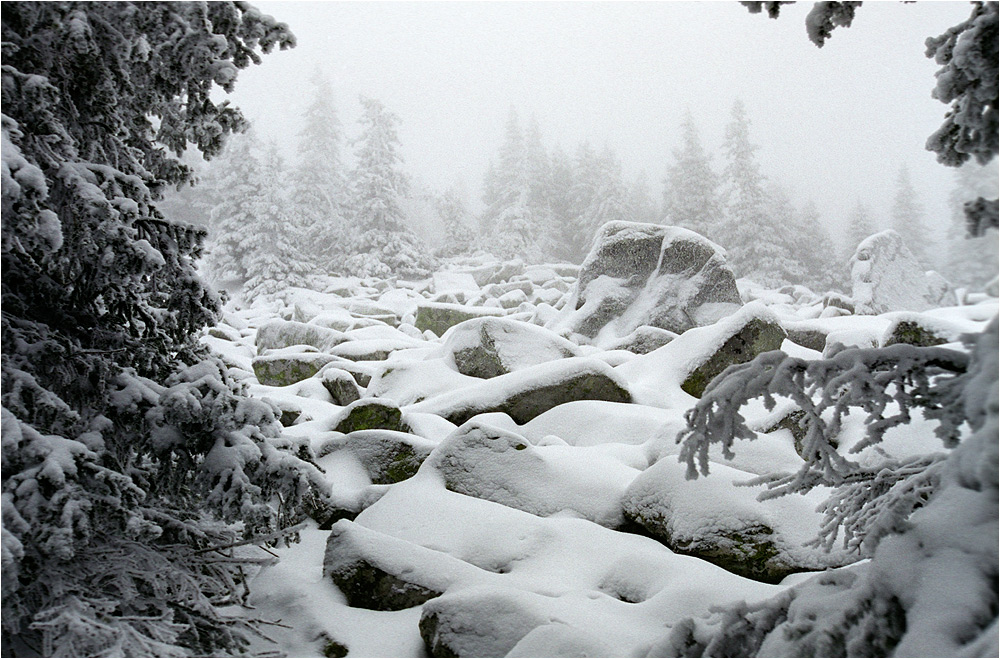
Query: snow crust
[(516, 524)]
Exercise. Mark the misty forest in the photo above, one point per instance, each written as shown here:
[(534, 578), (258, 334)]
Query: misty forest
[(276, 381)]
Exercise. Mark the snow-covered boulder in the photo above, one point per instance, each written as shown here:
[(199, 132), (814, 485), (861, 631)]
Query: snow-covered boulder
[(377, 571), (737, 343), (924, 330), (285, 333), (438, 317), (480, 622), (558, 639), (447, 281), (723, 523), (525, 394), (687, 364), (370, 414), (886, 276), (646, 274), (644, 340), (342, 386), (489, 463), (283, 368), (807, 333), (488, 347), (388, 456)]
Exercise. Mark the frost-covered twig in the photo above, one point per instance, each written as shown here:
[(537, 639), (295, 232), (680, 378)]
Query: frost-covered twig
[(886, 383)]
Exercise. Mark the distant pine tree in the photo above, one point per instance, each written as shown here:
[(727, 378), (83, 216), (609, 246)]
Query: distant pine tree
[(754, 240), (860, 227), (908, 218), (972, 261), (382, 245), (318, 182), (691, 196)]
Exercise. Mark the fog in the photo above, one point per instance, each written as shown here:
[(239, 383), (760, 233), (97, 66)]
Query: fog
[(834, 124)]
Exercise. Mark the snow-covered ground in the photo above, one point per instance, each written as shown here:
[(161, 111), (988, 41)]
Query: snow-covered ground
[(520, 524)]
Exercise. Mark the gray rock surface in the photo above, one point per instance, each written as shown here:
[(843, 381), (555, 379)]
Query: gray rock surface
[(370, 414), (284, 333), (647, 274), (440, 317), (525, 394), (388, 456), (342, 386), (488, 347), (885, 276), (742, 345), (283, 369)]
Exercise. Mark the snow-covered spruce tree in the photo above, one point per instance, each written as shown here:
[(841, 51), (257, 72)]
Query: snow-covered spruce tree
[(275, 257), (130, 458), (972, 261), (907, 215), (815, 247), (457, 221), (644, 208), (515, 194), (792, 268), (929, 522), (599, 195), (255, 242), (318, 182), (561, 234), (381, 245), (691, 196), (754, 241)]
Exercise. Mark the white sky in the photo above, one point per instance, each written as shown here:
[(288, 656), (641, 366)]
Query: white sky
[(835, 124)]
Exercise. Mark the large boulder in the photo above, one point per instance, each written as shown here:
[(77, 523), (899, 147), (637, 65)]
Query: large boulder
[(525, 394), (438, 317), (388, 456), (480, 622), (342, 386), (886, 277), (486, 462), (488, 347), (643, 340), (379, 572), (719, 521), (284, 368), (370, 414), (736, 345), (285, 333), (646, 274)]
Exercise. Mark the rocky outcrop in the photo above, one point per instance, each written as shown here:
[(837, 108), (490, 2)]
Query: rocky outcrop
[(285, 368), (479, 622), (439, 317), (342, 386), (886, 277), (370, 414), (388, 456), (739, 345), (525, 394), (278, 334), (714, 519), (644, 340), (647, 274), (488, 347)]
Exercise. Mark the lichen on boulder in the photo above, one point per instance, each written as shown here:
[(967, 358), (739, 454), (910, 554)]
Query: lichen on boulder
[(284, 368), (370, 414), (758, 335)]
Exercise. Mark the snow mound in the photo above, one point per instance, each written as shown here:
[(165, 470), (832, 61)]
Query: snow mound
[(493, 464)]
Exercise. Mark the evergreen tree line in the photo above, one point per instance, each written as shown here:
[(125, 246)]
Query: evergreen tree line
[(272, 227)]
